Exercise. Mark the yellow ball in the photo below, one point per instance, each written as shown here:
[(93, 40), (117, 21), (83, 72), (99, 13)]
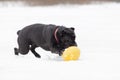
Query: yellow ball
[(71, 53)]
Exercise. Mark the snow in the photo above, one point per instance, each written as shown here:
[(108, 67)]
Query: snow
[(97, 28)]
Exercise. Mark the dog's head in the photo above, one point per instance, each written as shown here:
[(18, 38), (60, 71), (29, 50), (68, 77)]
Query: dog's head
[(67, 37)]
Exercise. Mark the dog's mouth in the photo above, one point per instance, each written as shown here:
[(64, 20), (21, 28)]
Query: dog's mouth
[(68, 45)]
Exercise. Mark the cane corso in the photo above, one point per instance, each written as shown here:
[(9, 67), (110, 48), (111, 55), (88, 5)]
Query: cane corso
[(49, 37)]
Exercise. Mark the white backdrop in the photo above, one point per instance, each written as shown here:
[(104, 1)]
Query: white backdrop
[(97, 28)]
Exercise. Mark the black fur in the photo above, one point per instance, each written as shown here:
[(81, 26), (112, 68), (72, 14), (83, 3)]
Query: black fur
[(40, 35)]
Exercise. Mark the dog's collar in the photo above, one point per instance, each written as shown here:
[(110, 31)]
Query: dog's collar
[(55, 35)]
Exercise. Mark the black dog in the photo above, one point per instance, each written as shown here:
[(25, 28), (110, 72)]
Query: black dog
[(49, 37)]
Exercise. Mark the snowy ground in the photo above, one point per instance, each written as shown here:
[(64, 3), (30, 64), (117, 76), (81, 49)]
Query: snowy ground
[(98, 37)]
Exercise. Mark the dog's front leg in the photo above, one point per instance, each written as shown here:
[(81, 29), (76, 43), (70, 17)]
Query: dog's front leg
[(34, 52), (56, 51), (60, 52)]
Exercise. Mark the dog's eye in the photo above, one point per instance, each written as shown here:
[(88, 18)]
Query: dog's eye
[(73, 36), (68, 41)]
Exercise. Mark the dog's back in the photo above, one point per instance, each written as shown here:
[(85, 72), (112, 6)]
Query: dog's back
[(38, 34)]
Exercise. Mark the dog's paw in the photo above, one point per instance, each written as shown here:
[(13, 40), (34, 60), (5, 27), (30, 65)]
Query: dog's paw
[(60, 54), (16, 51), (37, 55)]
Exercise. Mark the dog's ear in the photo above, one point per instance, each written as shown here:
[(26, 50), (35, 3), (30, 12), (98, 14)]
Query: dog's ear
[(72, 28)]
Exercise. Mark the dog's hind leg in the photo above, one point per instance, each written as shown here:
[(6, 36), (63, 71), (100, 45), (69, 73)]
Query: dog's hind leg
[(32, 48), (23, 46)]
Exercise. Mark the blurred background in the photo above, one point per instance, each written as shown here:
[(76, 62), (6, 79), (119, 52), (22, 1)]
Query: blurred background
[(97, 28), (51, 2)]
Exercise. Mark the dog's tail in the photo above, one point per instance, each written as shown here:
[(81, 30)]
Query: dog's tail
[(18, 32)]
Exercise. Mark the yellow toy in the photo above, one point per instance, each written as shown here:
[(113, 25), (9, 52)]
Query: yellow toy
[(71, 53)]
